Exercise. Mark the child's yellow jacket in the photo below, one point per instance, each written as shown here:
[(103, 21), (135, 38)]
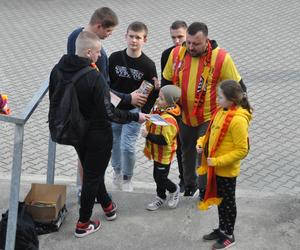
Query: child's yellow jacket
[(163, 153), (235, 145)]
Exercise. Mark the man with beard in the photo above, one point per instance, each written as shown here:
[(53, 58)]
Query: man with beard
[(197, 67)]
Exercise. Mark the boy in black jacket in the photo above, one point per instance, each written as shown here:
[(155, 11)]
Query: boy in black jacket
[(95, 150)]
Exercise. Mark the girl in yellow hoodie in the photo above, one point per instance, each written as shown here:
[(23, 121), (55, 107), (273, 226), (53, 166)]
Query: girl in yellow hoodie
[(223, 147)]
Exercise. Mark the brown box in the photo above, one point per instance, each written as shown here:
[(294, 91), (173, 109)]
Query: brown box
[(44, 201)]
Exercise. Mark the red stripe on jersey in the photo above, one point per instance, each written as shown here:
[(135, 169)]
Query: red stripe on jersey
[(184, 87)]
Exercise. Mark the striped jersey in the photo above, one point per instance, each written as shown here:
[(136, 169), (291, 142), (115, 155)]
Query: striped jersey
[(199, 81)]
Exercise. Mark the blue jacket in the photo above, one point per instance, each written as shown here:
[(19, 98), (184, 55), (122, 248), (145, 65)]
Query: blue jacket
[(102, 62)]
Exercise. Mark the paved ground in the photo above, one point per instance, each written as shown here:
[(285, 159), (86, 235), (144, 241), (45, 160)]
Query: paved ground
[(262, 37), (181, 228)]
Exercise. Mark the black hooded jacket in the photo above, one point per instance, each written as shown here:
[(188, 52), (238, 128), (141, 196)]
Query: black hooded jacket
[(93, 93)]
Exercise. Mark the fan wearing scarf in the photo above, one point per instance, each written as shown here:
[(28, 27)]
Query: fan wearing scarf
[(224, 145), (161, 145)]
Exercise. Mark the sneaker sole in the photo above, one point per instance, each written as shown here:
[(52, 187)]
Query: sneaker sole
[(88, 233), (232, 244), (111, 218), (152, 209)]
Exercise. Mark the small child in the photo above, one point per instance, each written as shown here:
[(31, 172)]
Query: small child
[(223, 146), (3, 105), (161, 144)]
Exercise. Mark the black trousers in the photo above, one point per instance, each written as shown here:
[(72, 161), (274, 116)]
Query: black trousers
[(160, 175), (179, 160), (94, 154), (227, 209)]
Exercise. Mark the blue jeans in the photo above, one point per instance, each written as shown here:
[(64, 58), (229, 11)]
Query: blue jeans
[(124, 141)]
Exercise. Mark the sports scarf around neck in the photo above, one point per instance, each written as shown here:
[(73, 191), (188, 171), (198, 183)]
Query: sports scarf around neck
[(211, 197), (202, 73)]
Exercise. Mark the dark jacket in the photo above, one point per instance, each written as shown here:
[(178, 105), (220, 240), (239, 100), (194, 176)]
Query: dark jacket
[(93, 93)]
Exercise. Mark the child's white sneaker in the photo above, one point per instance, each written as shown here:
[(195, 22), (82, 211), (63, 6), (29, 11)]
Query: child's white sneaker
[(156, 204), (174, 198), (117, 180), (127, 186)]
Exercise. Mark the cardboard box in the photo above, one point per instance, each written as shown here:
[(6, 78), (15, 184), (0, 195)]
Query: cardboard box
[(44, 201)]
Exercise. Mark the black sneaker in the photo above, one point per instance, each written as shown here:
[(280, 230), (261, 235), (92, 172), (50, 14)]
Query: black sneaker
[(224, 242), (110, 211), (214, 235), (191, 192), (84, 229)]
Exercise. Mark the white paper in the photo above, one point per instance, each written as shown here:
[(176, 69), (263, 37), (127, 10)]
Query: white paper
[(114, 99), (158, 120)]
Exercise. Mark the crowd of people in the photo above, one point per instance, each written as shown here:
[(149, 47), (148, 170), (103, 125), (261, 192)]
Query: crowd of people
[(200, 98)]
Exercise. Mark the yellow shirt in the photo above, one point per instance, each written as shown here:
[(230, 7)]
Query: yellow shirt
[(222, 67)]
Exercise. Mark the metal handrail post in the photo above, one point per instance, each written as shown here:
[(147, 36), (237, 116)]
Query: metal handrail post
[(51, 161), (15, 188)]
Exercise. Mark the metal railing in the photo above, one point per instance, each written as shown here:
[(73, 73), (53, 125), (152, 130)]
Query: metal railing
[(17, 162)]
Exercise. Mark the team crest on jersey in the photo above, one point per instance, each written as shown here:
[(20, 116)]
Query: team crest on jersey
[(200, 84)]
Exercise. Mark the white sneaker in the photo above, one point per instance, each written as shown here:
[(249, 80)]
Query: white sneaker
[(127, 186), (156, 204), (174, 198), (117, 181)]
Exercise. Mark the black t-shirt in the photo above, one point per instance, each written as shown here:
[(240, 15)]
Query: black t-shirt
[(164, 58), (141, 68)]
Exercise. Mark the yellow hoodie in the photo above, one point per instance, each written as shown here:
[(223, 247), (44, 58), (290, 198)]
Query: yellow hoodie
[(235, 145)]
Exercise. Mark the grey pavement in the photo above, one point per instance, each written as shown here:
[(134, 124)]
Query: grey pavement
[(262, 36), (180, 228)]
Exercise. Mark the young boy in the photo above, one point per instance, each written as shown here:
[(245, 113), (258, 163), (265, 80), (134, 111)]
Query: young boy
[(95, 150), (127, 70), (161, 144), (178, 37)]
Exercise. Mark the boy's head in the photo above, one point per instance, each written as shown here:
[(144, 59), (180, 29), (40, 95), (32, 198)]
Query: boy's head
[(103, 21), (88, 45), (178, 32), (168, 96), (136, 36)]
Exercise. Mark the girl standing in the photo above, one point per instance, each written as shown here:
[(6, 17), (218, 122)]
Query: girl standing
[(224, 145)]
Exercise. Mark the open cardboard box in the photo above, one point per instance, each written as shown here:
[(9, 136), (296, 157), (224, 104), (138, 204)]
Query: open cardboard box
[(44, 201)]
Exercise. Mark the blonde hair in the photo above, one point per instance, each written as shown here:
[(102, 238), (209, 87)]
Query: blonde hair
[(86, 40)]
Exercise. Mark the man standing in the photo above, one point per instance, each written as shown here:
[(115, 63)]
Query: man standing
[(197, 67), (94, 150), (178, 36), (102, 23)]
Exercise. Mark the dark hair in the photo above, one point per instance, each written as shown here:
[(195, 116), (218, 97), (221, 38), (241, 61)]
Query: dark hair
[(178, 24), (196, 27), (138, 27), (234, 92), (105, 16)]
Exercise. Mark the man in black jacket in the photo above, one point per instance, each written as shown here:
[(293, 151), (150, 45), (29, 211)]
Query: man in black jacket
[(95, 150)]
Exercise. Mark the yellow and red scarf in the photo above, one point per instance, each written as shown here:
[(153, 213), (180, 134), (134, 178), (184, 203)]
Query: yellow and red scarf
[(211, 197)]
